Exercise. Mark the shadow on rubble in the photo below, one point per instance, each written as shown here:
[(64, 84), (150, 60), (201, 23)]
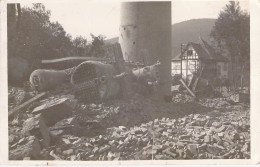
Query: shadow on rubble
[(138, 110), (94, 119)]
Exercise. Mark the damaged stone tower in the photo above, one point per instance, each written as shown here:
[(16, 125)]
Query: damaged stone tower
[(145, 37)]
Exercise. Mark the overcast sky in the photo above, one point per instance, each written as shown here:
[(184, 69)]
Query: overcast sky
[(102, 17)]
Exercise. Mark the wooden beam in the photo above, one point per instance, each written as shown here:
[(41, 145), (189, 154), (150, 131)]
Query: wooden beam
[(25, 104), (184, 84)]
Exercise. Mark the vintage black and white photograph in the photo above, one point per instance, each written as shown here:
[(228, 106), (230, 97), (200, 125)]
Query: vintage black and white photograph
[(137, 80)]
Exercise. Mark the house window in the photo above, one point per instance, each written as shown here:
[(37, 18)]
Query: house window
[(176, 68), (189, 52)]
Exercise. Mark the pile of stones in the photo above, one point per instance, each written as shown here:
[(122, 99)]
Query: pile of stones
[(219, 136), (67, 130), (214, 103), (182, 98)]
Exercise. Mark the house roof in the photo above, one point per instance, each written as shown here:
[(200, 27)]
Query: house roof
[(177, 58), (202, 53), (205, 51)]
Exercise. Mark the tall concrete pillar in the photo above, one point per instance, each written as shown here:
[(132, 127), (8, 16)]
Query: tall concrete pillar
[(145, 36)]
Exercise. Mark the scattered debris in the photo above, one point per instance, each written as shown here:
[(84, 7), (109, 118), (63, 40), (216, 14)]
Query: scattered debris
[(108, 132), (217, 103), (35, 126), (25, 104), (182, 98), (26, 147), (172, 138), (240, 97)]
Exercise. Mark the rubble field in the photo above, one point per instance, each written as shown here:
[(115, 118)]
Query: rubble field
[(58, 127)]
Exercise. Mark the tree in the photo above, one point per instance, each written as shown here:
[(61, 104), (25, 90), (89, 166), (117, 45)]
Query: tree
[(81, 47), (32, 37), (13, 23), (96, 48), (25, 40), (232, 34), (38, 37)]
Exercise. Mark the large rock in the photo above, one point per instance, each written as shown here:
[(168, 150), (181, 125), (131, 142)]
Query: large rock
[(55, 110)]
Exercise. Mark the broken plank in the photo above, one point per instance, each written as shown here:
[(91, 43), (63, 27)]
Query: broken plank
[(61, 127), (183, 83), (194, 86), (25, 104)]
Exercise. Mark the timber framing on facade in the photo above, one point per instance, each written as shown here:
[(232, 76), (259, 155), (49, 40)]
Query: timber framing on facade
[(200, 59)]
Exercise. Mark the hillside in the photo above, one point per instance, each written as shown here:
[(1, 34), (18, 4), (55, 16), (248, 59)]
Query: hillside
[(189, 31), (183, 32)]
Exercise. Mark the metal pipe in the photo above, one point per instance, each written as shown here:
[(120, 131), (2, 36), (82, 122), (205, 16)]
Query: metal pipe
[(94, 81), (149, 73), (43, 80)]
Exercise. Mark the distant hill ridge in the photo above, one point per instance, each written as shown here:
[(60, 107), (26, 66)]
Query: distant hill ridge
[(189, 31), (184, 32)]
